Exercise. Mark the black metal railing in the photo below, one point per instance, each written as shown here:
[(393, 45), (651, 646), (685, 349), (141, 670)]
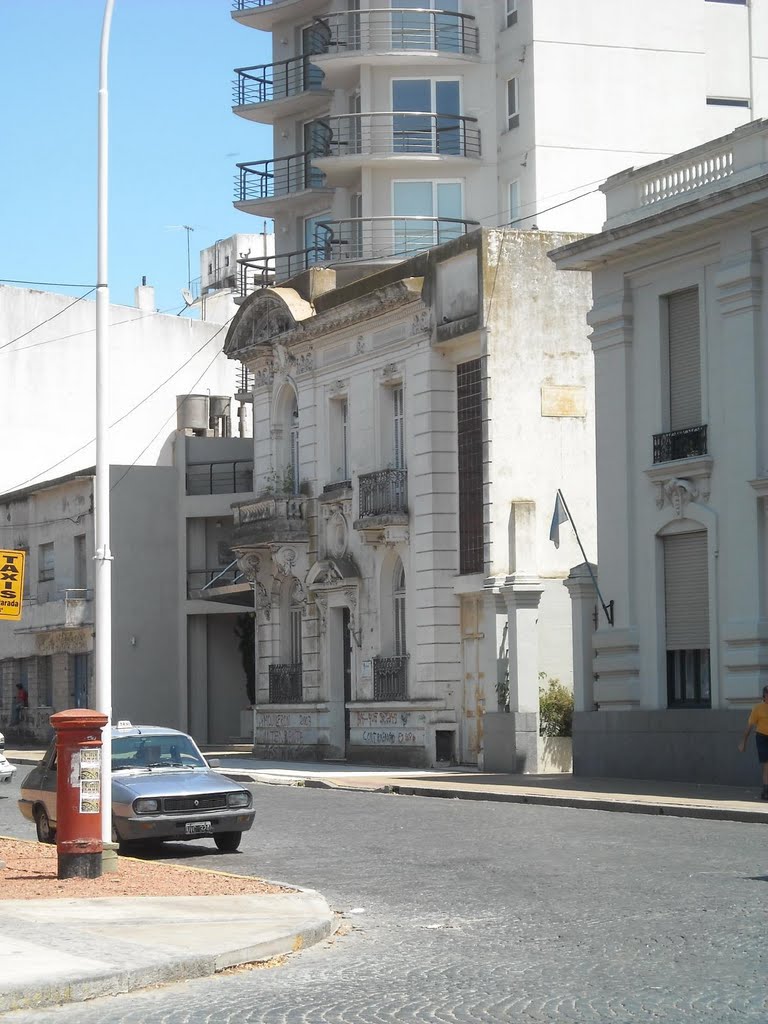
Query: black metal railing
[(264, 83), (680, 444), (394, 30), (269, 179), (397, 133), (390, 678), (285, 684), (244, 380), (220, 477), (247, 5), (354, 238), (263, 271), (383, 493), (209, 579)]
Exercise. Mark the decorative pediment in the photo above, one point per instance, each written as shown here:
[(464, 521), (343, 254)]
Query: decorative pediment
[(331, 573), (263, 319)]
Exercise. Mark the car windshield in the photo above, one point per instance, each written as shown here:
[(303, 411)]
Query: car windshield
[(171, 750)]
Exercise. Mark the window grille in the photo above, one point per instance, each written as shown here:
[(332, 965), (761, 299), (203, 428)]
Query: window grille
[(470, 445)]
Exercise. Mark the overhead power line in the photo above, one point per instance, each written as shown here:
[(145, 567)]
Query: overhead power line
[(133, 409), (44, 322)]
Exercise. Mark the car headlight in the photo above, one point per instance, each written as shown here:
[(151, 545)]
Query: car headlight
[(239, 799), (146, 806)]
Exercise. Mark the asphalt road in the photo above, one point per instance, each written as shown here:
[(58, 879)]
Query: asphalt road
[(462, 911)]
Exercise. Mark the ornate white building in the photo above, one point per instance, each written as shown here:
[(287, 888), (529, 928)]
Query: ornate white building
[(410, 433), (679, 331)]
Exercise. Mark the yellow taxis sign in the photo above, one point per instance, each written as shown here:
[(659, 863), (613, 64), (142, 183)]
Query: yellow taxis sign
[(11, 583)]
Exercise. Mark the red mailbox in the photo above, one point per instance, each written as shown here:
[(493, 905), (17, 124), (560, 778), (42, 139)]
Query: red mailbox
[(78, 792)]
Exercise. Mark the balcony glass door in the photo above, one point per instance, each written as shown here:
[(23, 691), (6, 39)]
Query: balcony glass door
[(413, 129), (416, 27), (315, 144), (431, 199), (314, 39)]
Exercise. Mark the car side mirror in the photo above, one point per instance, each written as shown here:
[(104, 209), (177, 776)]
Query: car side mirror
[(214, 762)]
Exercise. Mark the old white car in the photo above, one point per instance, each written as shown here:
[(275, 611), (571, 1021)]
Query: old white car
[(6, 768), (162, 789)]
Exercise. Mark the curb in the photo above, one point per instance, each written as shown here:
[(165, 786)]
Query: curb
[(175, 969), (756, 817)]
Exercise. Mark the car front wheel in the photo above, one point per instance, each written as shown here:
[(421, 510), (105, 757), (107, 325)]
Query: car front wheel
[(227, 842), (45, 833)]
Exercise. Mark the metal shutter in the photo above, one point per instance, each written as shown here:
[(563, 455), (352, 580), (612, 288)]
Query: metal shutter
[(684, 359), (686, 591)]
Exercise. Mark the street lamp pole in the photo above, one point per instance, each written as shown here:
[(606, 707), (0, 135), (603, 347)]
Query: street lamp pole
[(103, 554)]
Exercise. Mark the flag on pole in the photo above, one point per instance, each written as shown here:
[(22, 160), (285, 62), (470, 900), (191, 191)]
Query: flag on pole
[(558, 516)]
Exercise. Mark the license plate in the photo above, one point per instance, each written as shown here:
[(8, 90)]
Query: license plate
[(198, 828)]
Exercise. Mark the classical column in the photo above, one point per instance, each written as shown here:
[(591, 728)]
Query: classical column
[(581, 590)]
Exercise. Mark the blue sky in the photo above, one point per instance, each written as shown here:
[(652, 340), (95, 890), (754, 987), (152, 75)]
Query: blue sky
[(174, 140)]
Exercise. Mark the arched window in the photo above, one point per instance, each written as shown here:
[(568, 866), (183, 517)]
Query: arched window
[(398, 610)]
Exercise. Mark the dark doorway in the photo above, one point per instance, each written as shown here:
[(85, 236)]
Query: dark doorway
[(346, 640)]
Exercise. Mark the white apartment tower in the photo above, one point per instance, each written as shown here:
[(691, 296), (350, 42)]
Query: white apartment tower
[(401, 125)]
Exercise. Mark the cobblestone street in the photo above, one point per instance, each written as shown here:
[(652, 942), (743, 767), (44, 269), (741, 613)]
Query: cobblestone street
[(468, 911)]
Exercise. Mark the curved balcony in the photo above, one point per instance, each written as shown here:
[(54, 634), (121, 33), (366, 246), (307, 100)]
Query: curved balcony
[(347, 142), (361, 239), (263, 186), (392, 36), (266, 91), (263, 14)]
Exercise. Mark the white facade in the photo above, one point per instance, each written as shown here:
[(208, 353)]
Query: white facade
[(483, 113), (398, 539), (679, 334), (47, 348)]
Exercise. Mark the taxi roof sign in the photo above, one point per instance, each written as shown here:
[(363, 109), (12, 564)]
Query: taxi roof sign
[(11, 584)]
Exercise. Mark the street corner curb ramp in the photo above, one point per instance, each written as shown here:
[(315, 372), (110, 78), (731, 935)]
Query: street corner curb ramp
[(109, 946)]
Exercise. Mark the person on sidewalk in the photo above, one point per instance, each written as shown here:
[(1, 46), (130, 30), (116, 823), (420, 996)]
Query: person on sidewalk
[(758, 718), (22, 701)]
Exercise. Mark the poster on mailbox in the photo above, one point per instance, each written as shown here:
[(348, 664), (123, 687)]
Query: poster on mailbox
[(11, 584)]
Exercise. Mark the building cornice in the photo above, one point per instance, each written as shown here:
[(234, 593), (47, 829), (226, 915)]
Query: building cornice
[(590, 253)]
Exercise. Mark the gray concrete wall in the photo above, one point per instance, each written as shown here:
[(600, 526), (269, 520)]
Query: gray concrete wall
[(226, 680), (679, 745), (144, 595)]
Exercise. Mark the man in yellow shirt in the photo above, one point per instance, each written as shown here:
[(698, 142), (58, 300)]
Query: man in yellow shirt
[(758, 719)]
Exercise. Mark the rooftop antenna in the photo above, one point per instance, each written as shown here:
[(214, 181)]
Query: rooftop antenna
[(188, 229)]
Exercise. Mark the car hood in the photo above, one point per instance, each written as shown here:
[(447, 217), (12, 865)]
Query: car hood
[(165, 782)]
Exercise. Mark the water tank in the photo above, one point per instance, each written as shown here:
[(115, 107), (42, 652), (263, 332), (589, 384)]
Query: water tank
[(192, 412), (219, 406)]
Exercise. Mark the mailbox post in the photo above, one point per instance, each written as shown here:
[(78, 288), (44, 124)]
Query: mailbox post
[(78, 792)]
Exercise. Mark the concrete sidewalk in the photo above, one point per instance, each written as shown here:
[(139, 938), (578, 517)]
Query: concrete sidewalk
[(638, 796), (63, 950)]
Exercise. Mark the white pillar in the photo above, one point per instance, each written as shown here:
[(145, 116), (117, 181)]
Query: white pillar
[(581, 590)]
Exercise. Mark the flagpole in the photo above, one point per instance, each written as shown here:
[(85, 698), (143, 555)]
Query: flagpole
[(607, 608)]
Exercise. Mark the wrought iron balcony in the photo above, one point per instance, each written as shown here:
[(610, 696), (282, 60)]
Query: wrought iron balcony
[(390, 678), (396, 133), (209, 579), (384, 493), (265, 183), (354, 238), (395, 30), (220, 478), (272, 83), (360, 238), (680, 444), (263, 14), (270, 519), (285, 684)]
